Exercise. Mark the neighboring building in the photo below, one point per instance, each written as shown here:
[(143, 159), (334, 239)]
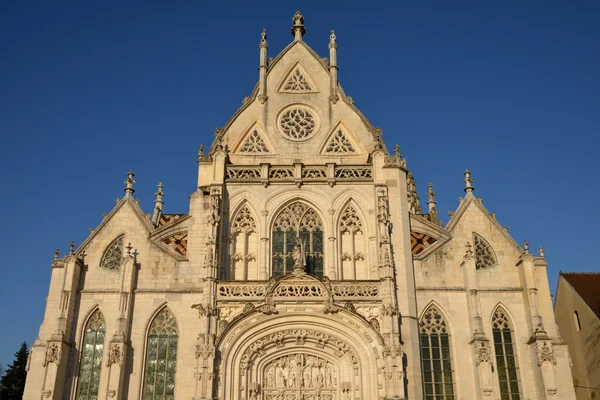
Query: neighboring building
[(577, 313), (304, 269)]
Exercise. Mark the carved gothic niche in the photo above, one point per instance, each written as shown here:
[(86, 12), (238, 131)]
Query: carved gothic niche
[(484, 254), (352, 245), (420, 241), (244, 246), (113, 255)]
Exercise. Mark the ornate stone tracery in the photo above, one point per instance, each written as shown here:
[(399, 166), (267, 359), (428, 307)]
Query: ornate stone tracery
[(297, 123), (297, 82), (113, 255), (254, 144), (352, 245), (339, 143), (484, 255)]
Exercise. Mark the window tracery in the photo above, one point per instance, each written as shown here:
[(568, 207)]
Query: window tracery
[(435, 356), (161, 358), (91, 358), (297, 82), (484, 255), (297, 123), (112, 257), (339, 143), (352, 245), (244, 246), (254, 144), (297, 221), (505, 356)]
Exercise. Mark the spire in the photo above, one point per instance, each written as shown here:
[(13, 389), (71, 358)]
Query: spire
[(129, 182), (468, 180), (333, 96), (56, 254), (72, 248), (200, 152), (262, 67), (431, 197), (298, 28), (158, 203)]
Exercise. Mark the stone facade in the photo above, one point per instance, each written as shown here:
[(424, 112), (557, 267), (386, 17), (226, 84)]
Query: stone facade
[(304, 269)]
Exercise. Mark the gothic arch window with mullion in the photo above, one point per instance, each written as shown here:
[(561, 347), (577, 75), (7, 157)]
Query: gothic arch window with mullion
[(91, 358), (161, 358), (506, 361), (436, 360), (297, 221), (352, 245)]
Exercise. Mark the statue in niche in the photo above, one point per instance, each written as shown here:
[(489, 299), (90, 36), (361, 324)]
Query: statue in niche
[(299, 258), (270, 378), (307, 380)]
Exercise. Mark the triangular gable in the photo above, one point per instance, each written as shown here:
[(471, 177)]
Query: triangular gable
[(137, 211), (297, 80), (340, 141), (253, 141)]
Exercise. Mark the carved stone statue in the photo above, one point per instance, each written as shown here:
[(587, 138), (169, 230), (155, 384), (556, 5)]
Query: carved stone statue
[(299, 258)]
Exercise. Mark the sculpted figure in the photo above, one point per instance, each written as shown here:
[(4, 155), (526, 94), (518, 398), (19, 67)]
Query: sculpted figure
[(328, 376), (307, 378), (270, 378)]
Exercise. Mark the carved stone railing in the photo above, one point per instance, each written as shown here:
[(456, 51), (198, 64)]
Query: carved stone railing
[(298, 173), (238, 291)]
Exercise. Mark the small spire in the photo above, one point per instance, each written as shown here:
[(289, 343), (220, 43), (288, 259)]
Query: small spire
[(201, 151), (71, 248), (129, 184), (56, 254), (378, 139), (542, 252), (129, 247), (263, 38), (158, 203), (298, 27), (526, 246), (332, 40), (397, 151), (431, 195), (468, 180)]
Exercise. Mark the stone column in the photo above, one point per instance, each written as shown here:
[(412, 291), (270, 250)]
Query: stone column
[(479, 341), (332, 257)]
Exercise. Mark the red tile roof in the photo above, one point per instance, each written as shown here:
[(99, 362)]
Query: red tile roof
[(587, 285)]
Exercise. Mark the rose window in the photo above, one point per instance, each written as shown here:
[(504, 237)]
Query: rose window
[(297, 123)]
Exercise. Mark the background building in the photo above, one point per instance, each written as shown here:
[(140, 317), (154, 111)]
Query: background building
[(577, 313), (304, 269)]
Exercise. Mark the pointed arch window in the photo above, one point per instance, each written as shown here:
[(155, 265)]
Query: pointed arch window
[(161, 358), (352, 245), (113, 255), (296, 222), (91, 358), (506, 362), (436, 361), (244, 246), (484, 254)]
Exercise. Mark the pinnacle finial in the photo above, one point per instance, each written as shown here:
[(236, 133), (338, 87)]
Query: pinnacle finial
[(201, 151), (526, 246), (71, 248), (129, 247), (542, 252), (332, 40), (397, 151), (298, 27), (129, 183), (263, 38), (159, 194), (468, 182), (431, 194), (56, 254), (378, 139)]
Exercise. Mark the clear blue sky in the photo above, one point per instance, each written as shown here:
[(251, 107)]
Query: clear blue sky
[(89, 90)]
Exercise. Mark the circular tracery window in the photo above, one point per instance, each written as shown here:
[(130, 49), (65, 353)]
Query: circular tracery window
[(297, 123)]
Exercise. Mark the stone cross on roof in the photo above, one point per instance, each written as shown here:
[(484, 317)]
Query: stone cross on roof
[(298, 28), (129, 184), (468, 181)]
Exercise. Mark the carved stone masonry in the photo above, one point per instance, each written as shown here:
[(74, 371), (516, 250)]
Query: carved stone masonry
[(545, 353), (206, 346), (115, 354), (53, 354), (482, 352), (205, 310)]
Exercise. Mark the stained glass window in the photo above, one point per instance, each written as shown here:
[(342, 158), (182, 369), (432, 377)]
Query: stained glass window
[(113, 255), (161, 358), (505, 356), (484, 255), (436, 361), (297, 221), (91, 358)]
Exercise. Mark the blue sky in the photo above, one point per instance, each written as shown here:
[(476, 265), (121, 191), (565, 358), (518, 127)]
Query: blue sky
[(89, 90)]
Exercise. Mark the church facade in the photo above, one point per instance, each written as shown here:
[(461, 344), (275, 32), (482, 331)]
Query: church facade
[(304, 269)]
